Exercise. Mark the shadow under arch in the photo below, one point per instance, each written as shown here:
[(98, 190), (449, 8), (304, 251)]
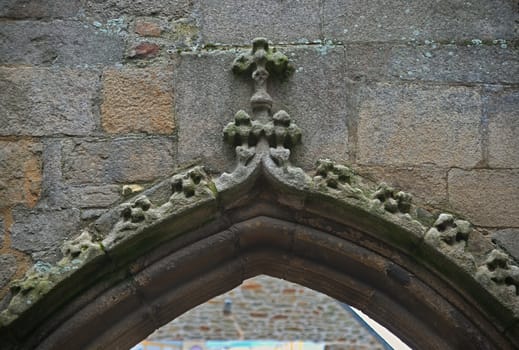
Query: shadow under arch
[(120, 298)]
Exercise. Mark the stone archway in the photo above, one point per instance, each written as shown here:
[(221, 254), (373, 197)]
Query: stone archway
[(154, 267), (431, 279)]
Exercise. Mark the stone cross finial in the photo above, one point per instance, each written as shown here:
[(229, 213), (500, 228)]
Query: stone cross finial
[(262, 62), (265, 134)]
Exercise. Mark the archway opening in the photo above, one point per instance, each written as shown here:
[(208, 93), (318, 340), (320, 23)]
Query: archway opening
[(269, 313), (386, 284)]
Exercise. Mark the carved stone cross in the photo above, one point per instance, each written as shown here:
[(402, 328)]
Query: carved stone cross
[(275, 134)]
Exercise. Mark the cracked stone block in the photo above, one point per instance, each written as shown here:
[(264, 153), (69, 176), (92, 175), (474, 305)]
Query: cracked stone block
[(456, 63), (418, 125), (41, 233), (58, 42), (8, 263), (119, 160), (138, 100), (503, 129), (172, 9), (20, 172), (488, 197), (41, 101), (401, 20), (44, 9), (238, 21)]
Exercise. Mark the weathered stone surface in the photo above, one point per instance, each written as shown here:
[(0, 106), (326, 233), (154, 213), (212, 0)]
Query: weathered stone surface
[(172, 9), (204, 106), (489, 63), (21, 9), (366, 61), (41, 233), (138, 100), (144, 50), (121, 160), (428, 183), (92, 196), (391, 20), (147, 28), (508, 239), (503, 129), (20, 172), (8, 263), (487, 197), (414, 124), (41, 101), (2, 232), (238, 21), (317, 100), (58, 42)]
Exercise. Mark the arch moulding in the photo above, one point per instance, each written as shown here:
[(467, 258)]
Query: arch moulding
[(432, 279)]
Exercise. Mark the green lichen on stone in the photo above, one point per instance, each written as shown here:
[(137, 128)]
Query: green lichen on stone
[(392, 200), (43, 277), (275, 62), (282, 131), (243, 130)]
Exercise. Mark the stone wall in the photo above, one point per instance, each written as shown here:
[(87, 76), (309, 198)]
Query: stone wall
[(101, 96), (269, 308)]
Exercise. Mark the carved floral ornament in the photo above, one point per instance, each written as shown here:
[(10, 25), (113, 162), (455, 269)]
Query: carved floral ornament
[(263, 142)]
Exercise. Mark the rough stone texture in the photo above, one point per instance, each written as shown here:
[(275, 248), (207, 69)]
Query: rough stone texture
[(366, 61), (146, 28), (487, 197), (238, 21), (390, 20), (456, 63), (503, 129), (52, 195), (92, 196), (8, 263), (137, 100), (508, 239), (20, 172), (427, 183), (21, 9), (205, 106), (317, 100), (2, 232), (416, 124), (58, 42), (121, 160), (42, 233), (41, 101), (172, 9), (267, 308)]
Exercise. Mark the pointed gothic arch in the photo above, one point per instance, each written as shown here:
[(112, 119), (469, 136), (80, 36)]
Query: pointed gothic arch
[(432, 279), (153, 267)]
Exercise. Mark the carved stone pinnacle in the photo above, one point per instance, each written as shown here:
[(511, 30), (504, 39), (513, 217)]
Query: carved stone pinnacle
[(262, 62)]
